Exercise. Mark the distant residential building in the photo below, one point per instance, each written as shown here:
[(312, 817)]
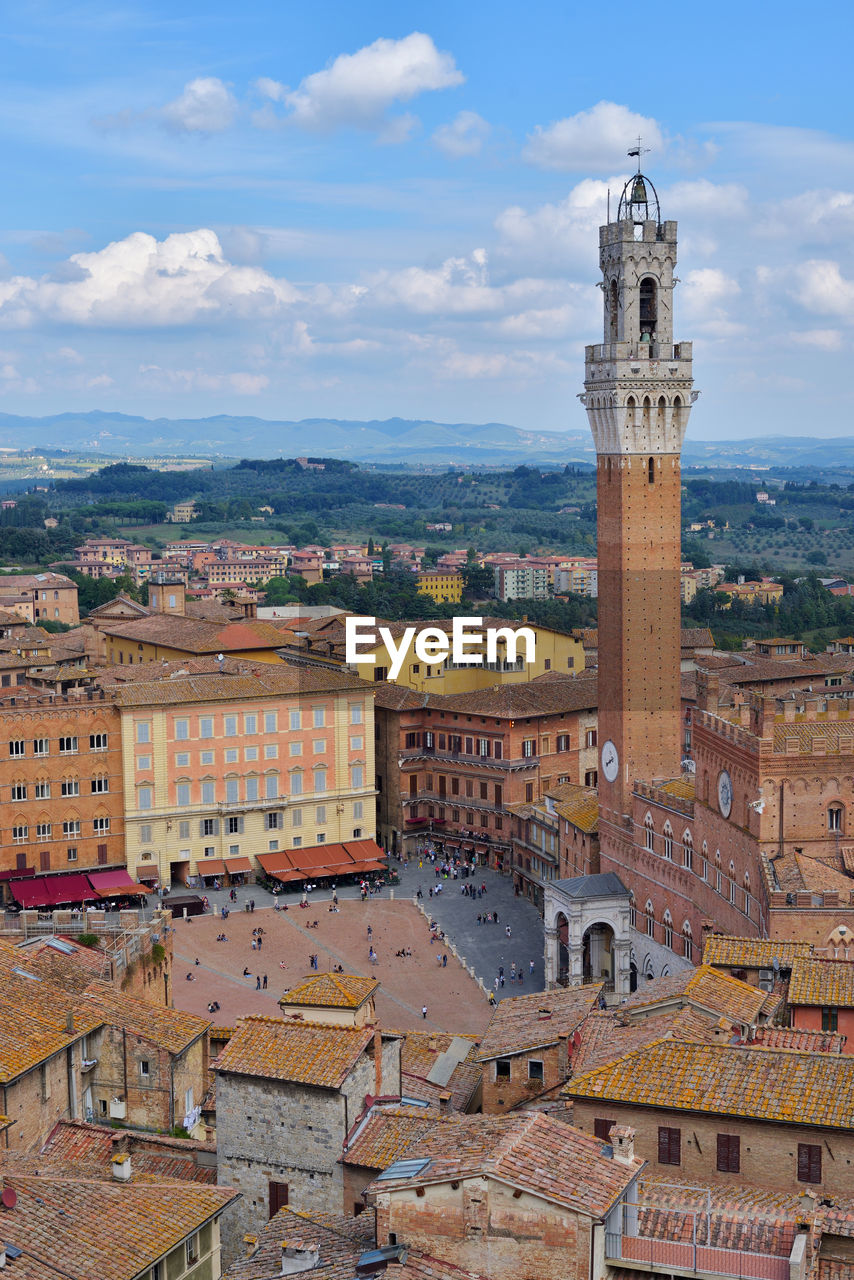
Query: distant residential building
[(441, 527), (518, 580), (443, 587), (763, 592), (183, 512), (38, 596)]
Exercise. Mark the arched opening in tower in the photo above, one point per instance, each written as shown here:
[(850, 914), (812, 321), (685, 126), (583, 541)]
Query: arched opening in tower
[(613, 305), (648, 308)]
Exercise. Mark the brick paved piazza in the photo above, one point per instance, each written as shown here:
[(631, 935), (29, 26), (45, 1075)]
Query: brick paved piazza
[(455, 1001)]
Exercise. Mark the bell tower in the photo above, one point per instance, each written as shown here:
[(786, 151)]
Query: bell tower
[(638, 395)]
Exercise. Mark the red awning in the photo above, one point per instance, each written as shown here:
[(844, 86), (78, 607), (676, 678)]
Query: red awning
[(288, 875), (115, 884), (73, 888), (237, 864), (148, 873), (31, 893), (18, 874), (275, 863)]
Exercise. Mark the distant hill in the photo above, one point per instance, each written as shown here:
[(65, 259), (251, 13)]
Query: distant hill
[(394, 440)]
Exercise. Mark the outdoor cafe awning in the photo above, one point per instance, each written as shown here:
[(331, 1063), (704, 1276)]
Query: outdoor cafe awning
[(116, 884), (210, 866), (236, 865)]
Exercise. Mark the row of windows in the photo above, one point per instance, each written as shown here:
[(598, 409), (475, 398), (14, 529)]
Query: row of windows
[(728, 1151), (20, 791), (471, 817), (206, 792), (231, 755), (71, 829), (273, 821), (68, 745), (723, 884), (686, 937), (232, 725), (441, 786)]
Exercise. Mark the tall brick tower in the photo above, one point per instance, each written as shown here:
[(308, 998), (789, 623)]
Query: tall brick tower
[(638, 395)]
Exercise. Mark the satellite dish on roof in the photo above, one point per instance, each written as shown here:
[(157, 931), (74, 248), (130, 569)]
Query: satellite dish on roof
[(9, 1198), (220, 657)]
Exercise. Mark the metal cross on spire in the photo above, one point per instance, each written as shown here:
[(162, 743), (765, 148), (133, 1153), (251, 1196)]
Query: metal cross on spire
[(639, 151)]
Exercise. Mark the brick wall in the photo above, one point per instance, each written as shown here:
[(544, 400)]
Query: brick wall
[(501, 1093), (768, 1150), (36, 1100), (523, 1236)]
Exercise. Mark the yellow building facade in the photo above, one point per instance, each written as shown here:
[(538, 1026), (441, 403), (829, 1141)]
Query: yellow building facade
[(554, 651), (220, 768), (443, 587)]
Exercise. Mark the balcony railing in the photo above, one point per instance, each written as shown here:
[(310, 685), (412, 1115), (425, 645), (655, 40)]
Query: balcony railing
[(461, 757), (671, 1256)]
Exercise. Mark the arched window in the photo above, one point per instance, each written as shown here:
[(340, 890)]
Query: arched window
[(651, 471), (613, 307), (677, 412), (631, 405), (648, 308), (633, 912), (687, 941), (648, 832), (668, 841), (688, 850), (836, 818), (746, 883), (719, 879), (704, 869), (668, 930), (732, 882), (650, 919)]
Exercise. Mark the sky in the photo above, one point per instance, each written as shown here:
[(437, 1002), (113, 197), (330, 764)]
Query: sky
[(380, 209)]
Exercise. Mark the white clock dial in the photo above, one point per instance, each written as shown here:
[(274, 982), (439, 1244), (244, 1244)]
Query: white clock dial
[(610, 761), (724, 793)]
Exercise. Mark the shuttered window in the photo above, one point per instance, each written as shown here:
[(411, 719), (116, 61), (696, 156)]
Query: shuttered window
[(729, 1153), (602, 1128), (809, 1162), (669, 1146)]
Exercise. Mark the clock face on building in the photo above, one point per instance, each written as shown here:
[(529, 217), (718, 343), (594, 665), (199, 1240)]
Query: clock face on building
[(610, 761), (724, 793)]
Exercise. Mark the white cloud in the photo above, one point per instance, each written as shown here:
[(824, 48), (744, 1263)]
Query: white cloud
[(460, 286), (703, 199), (183, 279), (596, 140), (247, 384), (552, 236), (464, 136), (207, 105), (101, 380), (706, 295), (821, 287), (359, 87), (822, 339), (272, 89)]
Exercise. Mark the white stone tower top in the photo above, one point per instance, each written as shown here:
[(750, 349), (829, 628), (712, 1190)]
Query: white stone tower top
[(638, 382)]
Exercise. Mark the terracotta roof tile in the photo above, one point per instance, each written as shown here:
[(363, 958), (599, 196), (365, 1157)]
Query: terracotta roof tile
[(822, 982), (706, 987), (339, 1240), (520, 1023), (171, 1029), (581, 809), (64, 1218), (544, 1156), (769, 1037), (332, 991), (302, 1052), (419, 1052), (751, 953), (780, 1085), (609, 1034), (265, 680), (90, 1148), (389, 1133)]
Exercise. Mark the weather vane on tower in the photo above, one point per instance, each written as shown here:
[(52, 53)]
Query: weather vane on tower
[(638, 151)]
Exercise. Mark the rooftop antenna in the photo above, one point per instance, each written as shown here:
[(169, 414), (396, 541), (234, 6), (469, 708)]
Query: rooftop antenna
[(638, 151)]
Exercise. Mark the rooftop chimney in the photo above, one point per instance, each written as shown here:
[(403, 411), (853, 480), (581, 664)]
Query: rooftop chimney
[(623, 1141), (298, 1257), (378, 1062), (445, 1103), (121, 1166)]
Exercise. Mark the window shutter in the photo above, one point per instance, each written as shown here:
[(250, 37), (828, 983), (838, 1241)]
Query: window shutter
[(602, 1128), (675, 1146), (809, 1162), (202, 828), (240, 826), (663, 1147), (216, 826)]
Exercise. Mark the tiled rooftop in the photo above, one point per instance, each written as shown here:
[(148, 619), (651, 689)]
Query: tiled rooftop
[(389, 1132), (169, 1029), (779, 1085), (751, 953), (332, 991), (581, 809), (89, 1148), (339, 1240), (301, 1052), (609, 1034), (769, 1037), (682, 788), (520, 1023), (105, 1231), (531, 1151), (822, 982), (705, 986), (266, 680), (419, 1053)]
